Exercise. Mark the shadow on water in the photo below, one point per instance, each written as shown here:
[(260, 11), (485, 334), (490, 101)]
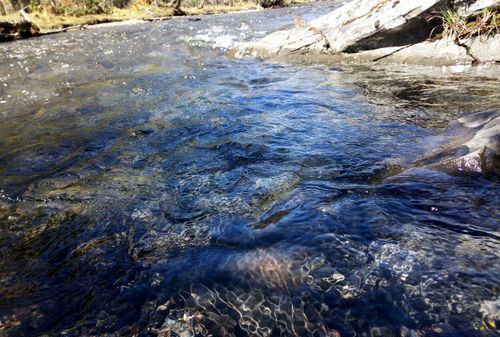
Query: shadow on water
[(150, 186)]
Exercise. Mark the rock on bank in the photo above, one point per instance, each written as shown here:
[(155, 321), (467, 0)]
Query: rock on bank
[(376, 30)]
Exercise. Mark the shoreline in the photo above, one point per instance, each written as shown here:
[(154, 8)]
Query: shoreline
[(44, 24), (392, 32)]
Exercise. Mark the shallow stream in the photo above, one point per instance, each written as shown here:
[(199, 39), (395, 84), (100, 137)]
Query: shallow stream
[(151, 186)]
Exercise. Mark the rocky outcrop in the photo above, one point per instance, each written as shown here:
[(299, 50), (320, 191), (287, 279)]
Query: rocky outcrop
[(474, 148), (380, 30), (441, 52), (370, 24), (436, 53), (485, 50), (473, 7)]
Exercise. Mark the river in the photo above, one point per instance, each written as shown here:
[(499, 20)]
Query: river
[(151, 186)]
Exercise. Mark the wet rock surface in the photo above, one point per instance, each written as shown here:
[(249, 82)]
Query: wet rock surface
[(474, 149)]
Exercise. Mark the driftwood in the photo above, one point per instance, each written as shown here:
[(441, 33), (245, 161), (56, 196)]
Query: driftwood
[(161, 18), (86, 26), (24, 16), (65, 29)]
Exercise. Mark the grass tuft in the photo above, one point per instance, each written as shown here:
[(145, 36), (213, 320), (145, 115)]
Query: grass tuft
[(459, 28)]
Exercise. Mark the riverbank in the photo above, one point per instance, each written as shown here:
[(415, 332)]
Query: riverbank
[(12, 26), (436, 32)]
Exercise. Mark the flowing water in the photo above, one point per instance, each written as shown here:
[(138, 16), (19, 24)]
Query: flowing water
[(151, 186)]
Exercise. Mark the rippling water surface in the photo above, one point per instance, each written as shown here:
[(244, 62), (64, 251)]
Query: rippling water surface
[(151, 186)]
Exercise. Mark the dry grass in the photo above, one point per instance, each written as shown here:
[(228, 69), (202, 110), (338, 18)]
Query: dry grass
[(48, 22), (459, 28)]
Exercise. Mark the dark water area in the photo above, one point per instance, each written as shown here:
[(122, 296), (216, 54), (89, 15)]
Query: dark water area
[(151, 186)]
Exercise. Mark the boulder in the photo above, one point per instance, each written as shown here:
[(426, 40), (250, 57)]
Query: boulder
[(379, 30), (371, 24), (358, 25), (297, 40), (440, 52), (485, 49)]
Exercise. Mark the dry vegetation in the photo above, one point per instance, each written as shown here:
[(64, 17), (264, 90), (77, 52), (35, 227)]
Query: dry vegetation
[(460, 28), (56, 14), (48, 21)]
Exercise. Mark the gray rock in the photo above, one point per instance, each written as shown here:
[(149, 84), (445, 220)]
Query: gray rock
[(371, 24), (441, 52), (476, 7), (284, 42), (388, 31), (485, 49), (474, 148)]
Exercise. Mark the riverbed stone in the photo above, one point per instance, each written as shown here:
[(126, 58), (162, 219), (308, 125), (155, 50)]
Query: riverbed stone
[(474, 147)]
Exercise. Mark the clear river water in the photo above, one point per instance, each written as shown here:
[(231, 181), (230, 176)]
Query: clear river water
[(152, 186)]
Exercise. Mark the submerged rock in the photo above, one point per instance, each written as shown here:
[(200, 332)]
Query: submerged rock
[(474, 148)]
